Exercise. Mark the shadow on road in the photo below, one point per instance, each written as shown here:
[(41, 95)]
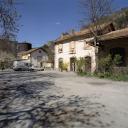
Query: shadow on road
[(40, 104)]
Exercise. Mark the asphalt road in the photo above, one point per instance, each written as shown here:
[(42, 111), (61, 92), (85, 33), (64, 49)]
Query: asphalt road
[(52, 99)]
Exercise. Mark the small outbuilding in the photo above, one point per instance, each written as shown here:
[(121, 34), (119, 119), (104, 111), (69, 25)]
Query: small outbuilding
[(36, 56)]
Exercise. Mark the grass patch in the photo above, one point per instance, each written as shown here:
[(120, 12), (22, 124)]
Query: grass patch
[(119, 77), (106, 75), (84, 74)]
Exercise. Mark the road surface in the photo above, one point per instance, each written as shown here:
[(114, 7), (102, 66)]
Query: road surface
[(51, 99)]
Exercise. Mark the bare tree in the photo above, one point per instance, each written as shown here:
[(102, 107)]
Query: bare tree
[(95, 10), (8, 19)]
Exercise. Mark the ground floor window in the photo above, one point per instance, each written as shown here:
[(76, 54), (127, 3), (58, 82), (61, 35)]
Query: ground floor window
[(118, 51), (60, 63), (88, 64), (73, 64)]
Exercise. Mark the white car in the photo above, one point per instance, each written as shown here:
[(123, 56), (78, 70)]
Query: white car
[(22, 66)]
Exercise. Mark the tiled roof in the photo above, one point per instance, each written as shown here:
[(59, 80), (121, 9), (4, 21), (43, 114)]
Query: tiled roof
[(83, 33), (28, 52)]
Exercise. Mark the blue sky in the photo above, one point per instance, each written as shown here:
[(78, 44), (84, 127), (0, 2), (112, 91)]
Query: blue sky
[(45, 20)]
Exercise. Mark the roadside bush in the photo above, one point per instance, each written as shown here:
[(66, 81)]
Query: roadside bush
[(117, 60), (83, 65), (108, 68), (105, 64), (80, 63), (65, 66), (119, 77)]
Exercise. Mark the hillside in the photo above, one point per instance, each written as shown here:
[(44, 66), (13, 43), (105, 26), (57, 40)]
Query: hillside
[(119, 19)]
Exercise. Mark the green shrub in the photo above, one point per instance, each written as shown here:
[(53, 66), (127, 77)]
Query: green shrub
[(80, 63), (117, 60), (65, 66), (119, 77), (105, 64), (106, 68)]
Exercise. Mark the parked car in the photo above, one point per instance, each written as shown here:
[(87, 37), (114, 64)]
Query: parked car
[(22, 66)]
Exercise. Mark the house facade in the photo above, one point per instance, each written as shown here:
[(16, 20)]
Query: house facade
[(76, 45), (36, 56), (68, 51)]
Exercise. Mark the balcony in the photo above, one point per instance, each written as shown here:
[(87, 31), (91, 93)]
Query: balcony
[(72, 51), (60, 50), (87, 47)]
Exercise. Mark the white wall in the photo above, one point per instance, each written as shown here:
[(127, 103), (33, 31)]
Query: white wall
[(80, 52), (35, 55)]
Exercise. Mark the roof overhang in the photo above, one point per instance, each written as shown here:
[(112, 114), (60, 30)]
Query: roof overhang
[(83, 34), (119, 34)]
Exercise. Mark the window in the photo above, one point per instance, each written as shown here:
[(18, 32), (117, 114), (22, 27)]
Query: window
[(28, 57), (60, 64), (87, 46), (73, 64), (72, 47), (118, 51), (39, 51), (60, 48)]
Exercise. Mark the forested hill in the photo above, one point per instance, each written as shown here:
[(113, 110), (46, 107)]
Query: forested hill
[(119, 19)]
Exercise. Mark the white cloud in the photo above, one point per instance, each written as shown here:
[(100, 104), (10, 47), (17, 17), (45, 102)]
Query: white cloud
[(58, 23)]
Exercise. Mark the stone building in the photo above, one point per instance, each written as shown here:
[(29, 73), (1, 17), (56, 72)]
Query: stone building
[(78, 44)]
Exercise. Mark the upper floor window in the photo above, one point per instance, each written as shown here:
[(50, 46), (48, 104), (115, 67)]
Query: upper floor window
[(60, 48), (39, 51), (28, 57), (87, 46), (72, 47)]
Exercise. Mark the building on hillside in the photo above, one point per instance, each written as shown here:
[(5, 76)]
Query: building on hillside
[(78, 44), (36, 56)]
